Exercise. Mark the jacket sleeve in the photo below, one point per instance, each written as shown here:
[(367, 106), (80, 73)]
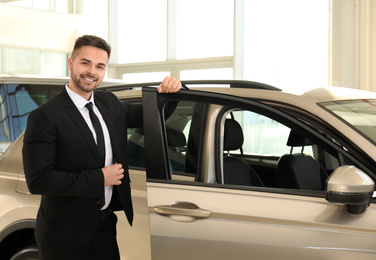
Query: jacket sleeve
[(39, 154)]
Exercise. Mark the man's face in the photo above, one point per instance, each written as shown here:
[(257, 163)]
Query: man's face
[(88, 67)]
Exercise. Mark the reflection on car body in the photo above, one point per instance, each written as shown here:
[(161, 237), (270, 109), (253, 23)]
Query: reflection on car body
[(238, 170)]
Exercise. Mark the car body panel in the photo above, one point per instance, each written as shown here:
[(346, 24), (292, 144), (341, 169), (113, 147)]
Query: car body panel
[(196, 215), (263, 223)]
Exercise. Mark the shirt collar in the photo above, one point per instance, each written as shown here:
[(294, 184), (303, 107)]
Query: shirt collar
[(79, 101)]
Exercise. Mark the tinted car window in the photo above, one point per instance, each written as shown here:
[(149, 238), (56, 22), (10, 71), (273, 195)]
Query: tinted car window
[(136, 148), (277, 155), (178, 127), (16, 103), (361, 114), (263, 154), (182, 139)]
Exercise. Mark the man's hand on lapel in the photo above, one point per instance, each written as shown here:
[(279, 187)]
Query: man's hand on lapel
[(169, 85), (113, 174)]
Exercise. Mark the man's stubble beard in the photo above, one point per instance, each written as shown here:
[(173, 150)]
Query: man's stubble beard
[(76, 81)]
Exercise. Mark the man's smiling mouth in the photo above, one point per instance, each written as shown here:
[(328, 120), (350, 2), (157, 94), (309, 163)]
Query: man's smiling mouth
[(88, 79)]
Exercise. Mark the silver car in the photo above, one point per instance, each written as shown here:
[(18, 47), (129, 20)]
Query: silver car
[(234, 170)]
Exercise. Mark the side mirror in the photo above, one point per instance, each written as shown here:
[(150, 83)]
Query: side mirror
[(349, 185)]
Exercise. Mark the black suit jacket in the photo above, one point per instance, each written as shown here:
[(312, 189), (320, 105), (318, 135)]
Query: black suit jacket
[(61, 162)]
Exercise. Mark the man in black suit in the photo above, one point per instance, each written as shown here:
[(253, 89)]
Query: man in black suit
[(75, 156)]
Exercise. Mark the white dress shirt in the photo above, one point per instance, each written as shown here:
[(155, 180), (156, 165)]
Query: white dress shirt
[(80, 103)]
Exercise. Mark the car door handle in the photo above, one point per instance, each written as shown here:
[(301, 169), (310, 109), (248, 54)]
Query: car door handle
[(183, 211)]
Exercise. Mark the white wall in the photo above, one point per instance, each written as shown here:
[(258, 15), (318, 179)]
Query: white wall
[(30, 28), (353, 49), (366, 45)]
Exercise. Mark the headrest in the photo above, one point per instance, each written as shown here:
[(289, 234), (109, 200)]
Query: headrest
[(296, 139), (175, 138), (233, 137)]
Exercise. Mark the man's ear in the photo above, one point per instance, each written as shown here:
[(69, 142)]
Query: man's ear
[(70, 64)]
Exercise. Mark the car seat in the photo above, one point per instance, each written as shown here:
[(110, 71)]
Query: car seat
[(235, 170), (299, 170)]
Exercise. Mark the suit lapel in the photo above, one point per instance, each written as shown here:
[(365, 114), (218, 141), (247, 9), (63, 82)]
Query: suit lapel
[(76, 116)]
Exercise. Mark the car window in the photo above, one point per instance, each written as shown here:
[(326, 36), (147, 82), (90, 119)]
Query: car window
[(263, 135), (178, 127), (16, 103), (136, 148), (361, 114), (266, 153), (181, 135)]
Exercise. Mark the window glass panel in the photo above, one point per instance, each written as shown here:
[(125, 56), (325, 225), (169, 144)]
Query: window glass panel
[(1, 60), (142, 31), (183, 162), (177, 127), (145, 77), (95, 9), (53, 63), (34, 62), (182, 137), (42, 5), (204, 28), (61, 6), (265, 158), (20, 61), (136, 148), (263, 135), (22, 3), (24, 98), (286, 43), (223, 73), (361, 114), (5, 134)]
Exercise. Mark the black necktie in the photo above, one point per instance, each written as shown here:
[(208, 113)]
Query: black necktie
[(98, 130)]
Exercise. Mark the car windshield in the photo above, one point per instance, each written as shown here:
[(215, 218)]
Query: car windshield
[(359, 113)]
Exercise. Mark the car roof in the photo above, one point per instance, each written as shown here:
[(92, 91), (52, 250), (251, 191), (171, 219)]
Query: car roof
[(251, 89), (34, 79), (337, 93), (204, 83), (317, 95)]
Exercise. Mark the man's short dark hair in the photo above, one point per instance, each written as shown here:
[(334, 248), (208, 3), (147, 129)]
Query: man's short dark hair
[(91, 40)]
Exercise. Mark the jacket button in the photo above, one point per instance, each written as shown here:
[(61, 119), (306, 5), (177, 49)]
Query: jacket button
[(98, 202)]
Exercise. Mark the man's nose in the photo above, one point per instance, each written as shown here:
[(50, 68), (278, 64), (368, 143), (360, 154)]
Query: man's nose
[(91, 70)]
